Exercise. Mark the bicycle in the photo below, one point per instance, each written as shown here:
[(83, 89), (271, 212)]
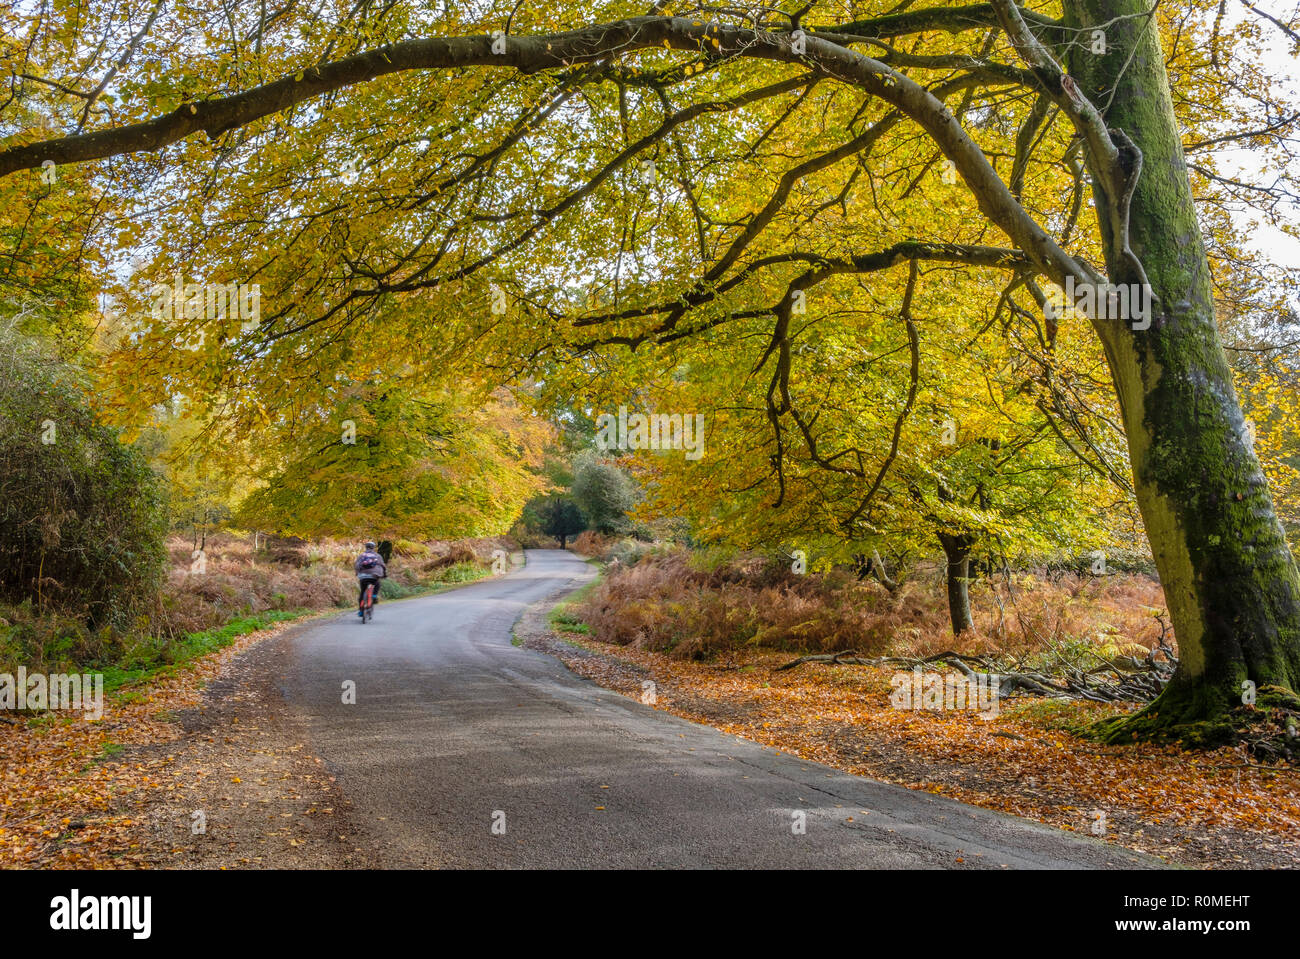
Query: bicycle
[(367, 604)]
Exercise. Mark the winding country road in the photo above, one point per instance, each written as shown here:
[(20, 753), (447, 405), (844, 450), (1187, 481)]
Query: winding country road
[(454, 730)]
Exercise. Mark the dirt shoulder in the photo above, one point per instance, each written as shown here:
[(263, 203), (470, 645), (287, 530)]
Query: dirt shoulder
[(243, 774), (202, 767)]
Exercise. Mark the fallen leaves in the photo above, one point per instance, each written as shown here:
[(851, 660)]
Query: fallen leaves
[(1202, 808), (67, 799)]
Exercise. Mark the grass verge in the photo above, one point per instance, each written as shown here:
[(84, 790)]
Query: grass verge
[(564, 619)]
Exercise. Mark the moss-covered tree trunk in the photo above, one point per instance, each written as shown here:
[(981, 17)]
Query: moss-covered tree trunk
[(1229, 577), (956, 548)]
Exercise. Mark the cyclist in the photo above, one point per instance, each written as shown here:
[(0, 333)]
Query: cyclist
[(370, 569)]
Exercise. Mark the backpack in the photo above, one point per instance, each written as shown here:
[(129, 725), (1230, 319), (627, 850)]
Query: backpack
[(370, 562)]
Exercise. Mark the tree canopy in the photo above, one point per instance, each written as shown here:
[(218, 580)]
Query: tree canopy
[(840, 230)]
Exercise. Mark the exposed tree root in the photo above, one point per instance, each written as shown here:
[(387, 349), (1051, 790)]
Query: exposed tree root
[(1268, 731)]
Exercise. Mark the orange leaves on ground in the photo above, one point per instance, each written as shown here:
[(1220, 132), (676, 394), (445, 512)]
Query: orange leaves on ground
[(1200, 808), (66, 801)]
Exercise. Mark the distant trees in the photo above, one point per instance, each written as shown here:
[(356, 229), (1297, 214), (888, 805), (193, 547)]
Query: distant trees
[(588, 492), (398, 459), (562, 518), (604, 492), (201, 488), (903, 438)]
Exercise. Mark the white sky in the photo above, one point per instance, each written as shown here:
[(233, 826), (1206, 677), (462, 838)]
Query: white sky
[(1281, 248)]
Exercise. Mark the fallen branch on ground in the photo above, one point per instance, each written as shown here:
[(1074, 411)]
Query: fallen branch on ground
[(1135, 680)]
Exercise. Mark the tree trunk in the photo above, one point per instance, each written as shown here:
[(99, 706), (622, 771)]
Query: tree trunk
[(957, 549), (1229, 578), (562, 539)]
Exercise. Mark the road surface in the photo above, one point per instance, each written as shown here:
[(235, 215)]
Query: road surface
[(462, 750)]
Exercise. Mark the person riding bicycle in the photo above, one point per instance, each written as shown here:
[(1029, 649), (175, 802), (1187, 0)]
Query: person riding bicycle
[(370, 569)]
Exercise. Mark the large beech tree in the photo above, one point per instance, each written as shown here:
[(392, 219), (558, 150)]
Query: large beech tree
[(468, 212)]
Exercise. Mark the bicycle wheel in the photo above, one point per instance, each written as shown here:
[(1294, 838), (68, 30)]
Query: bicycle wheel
[(370, 604)]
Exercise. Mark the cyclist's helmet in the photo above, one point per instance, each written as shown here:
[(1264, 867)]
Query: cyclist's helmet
[(370, 545)]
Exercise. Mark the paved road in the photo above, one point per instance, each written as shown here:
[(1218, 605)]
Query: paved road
[(453, 727)]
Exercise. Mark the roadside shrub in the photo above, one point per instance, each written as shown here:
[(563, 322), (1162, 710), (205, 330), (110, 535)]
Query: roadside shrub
[(81, 516), (697, 606), (705, 604), (48, 640), (629, 552), (591, 543), (410, 549), (457, 554), (461, 573), (287, 550), (625, 550)]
